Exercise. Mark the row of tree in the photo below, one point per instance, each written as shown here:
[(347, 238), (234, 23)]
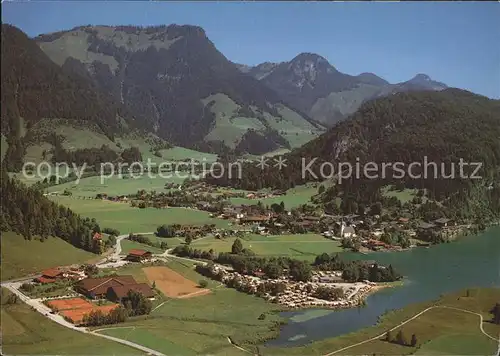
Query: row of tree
[(354, 271), (401, 339), (147, 241), (244, 261)]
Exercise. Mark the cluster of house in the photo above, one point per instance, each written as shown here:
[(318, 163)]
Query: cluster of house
[(117, 198), (52, 275), (300, 294), (113, 288), (439, 224), (265, 195)]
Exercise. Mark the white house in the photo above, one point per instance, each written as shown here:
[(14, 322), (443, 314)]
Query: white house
[(347, 231)]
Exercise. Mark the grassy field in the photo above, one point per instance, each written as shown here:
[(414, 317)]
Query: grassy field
[(302, 246), (127, 245), (127, 219), (293, 198), (404, 196), (230, 126), (91, 186), (201, 325), (26, 332), (439, 331), (21, 257), (464, 344), (181, 153)]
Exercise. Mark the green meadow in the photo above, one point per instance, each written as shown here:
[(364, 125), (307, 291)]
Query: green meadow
[(301, 246), (91, 186), (128, 245), (22, 257), (293, 198), (126, 219), (181, 153)]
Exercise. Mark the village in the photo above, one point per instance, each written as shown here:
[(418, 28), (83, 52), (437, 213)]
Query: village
[(373, 231)]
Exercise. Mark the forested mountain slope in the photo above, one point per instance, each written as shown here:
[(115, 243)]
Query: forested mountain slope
[(176, 78), (35, 89), (442, 127), (27, 212)]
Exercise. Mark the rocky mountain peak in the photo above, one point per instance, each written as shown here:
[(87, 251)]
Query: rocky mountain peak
[(307, 68)]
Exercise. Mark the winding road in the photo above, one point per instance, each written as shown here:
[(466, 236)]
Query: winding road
[(14, 287), (15, 284)]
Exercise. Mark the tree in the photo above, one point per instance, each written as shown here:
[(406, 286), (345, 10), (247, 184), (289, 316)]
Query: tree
[(401, 338), (388, 336), (376, 209), (165, 231), (90, 270), (413, 340), (203, 283), (496, 313), (273, 270), (188, 240), (301, 271), (137, 303), (277, 208), (237, 247)]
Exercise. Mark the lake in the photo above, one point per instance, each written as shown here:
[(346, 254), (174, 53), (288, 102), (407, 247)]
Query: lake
[(429, 272)]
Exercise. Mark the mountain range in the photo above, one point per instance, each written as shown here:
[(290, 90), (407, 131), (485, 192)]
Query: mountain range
[(190, 93), (309, 83), (171, 83)]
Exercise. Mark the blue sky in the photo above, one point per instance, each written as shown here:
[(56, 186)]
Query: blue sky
[(457, 43)]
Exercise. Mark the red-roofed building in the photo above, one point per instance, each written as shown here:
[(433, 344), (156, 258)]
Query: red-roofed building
[(50, 275), (119, 293), (97, 236), (44, 280), (137, 255)]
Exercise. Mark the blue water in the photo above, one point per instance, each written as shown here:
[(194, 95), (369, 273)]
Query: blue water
[(429, 272)]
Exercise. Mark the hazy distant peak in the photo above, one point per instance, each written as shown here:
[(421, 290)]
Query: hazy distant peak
[(426, 82), (370, 78)]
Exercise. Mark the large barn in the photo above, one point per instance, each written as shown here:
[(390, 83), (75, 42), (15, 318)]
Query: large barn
[(115, 287), (137, 255)]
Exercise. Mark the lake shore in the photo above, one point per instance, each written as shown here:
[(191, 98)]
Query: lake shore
[(444, 268)]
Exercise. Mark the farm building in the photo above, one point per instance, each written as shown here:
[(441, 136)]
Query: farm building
[(112, 288), (119, 293), (137, 255), (50, 276), (98, 287)]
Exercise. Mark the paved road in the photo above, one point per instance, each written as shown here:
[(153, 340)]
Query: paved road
[(413, 318), (44, 310), (37, 304), (117, 250)]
